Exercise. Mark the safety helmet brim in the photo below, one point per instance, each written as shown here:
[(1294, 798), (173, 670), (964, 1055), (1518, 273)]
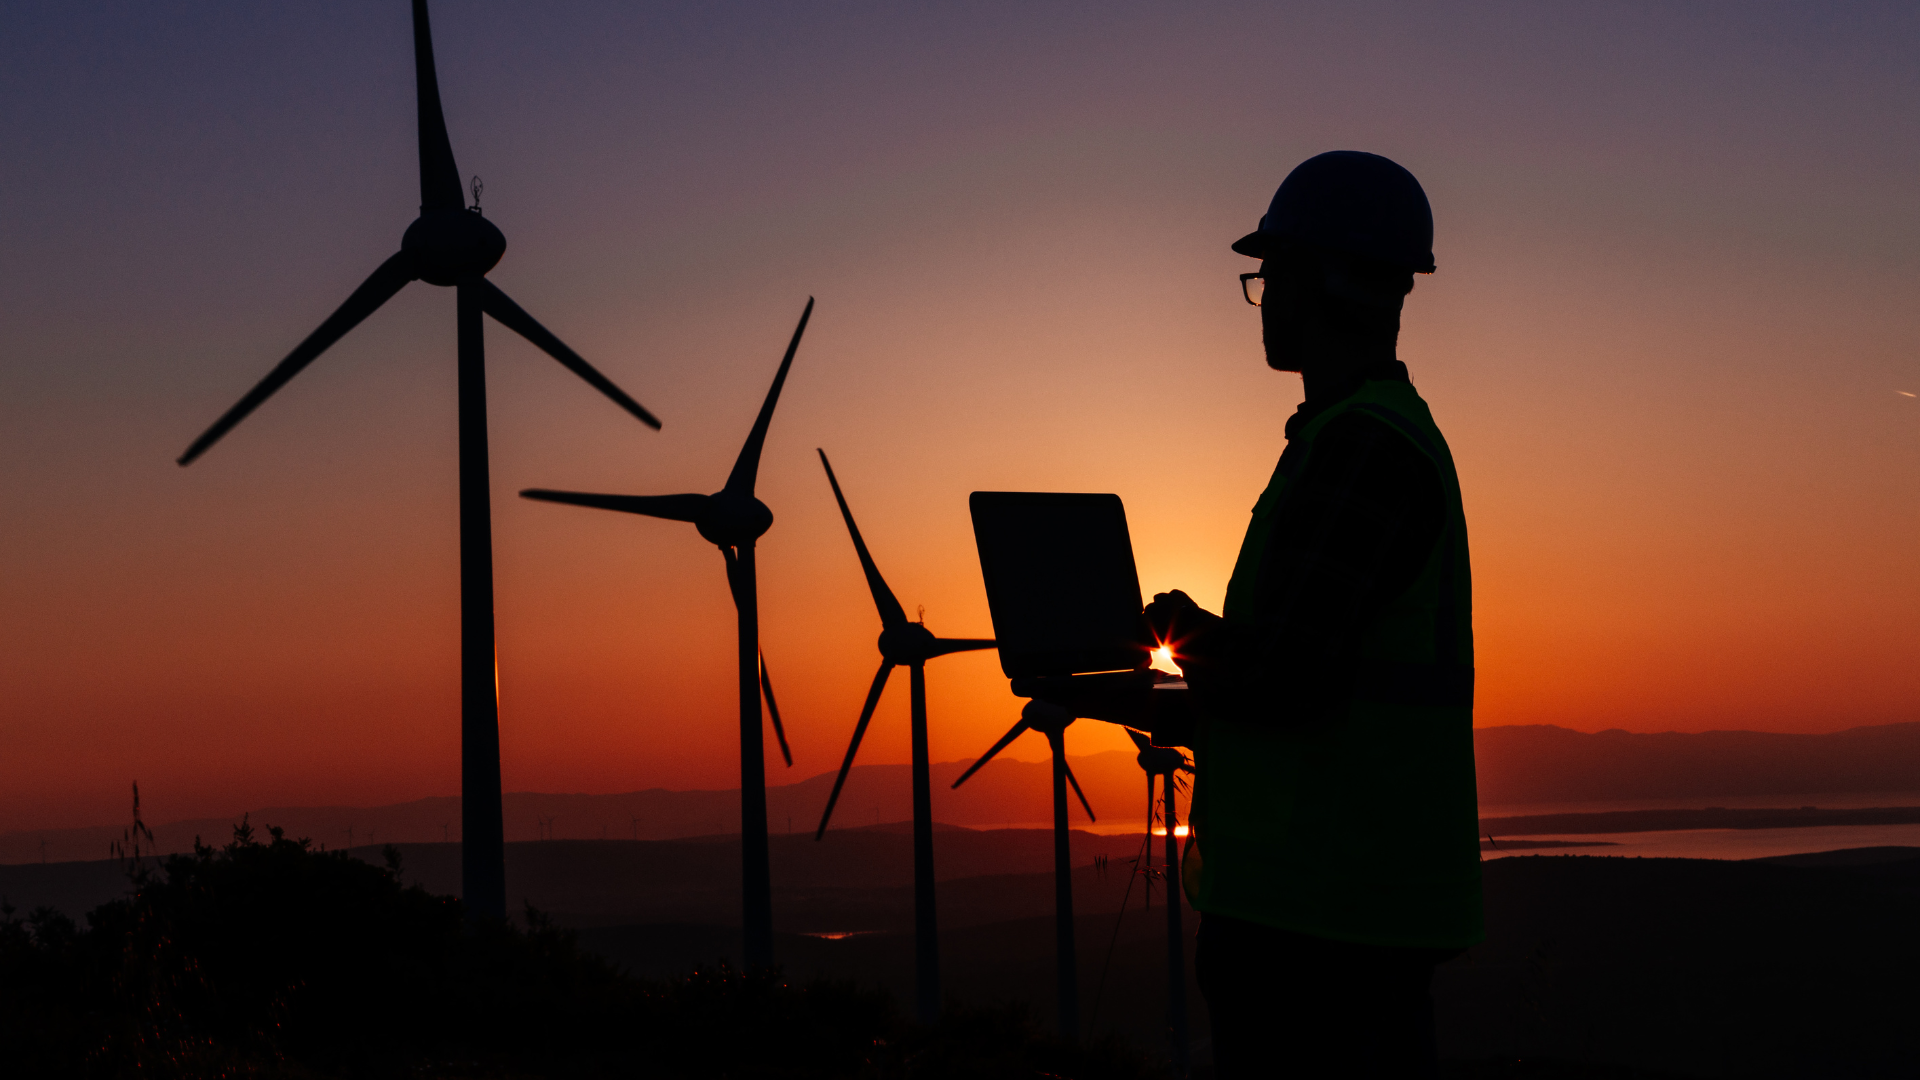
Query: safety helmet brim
[(1255, 245), (1263, 245)]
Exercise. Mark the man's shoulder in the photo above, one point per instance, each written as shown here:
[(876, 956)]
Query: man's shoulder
[(1380, 407), (1360, 426), (1363, 448)]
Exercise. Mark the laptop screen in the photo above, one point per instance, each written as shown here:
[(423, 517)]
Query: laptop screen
[(1060, 582)]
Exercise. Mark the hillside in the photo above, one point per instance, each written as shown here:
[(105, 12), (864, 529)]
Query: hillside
[(1791, 967), (1517, 766), (854, 879), (1005, 792)]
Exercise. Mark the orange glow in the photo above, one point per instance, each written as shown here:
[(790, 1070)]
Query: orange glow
[(1689, 499), (1163, 660), (1178, 830)]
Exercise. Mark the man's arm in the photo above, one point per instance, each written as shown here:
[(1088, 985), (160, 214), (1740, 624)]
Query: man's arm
[(1353, 535)]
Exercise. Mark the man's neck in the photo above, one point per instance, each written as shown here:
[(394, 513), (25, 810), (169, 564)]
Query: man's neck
[(1340, 373)]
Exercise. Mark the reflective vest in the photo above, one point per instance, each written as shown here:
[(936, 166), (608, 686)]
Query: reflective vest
[(1363, 828)]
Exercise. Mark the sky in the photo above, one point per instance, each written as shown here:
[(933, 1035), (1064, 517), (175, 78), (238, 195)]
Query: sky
[(1672, 342)]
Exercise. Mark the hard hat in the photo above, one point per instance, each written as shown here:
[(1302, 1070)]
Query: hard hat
[(1347, 201)]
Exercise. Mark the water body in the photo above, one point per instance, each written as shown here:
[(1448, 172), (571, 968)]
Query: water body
[(1728, 843), (1827, 800), (1687, 843), (1724, 843)]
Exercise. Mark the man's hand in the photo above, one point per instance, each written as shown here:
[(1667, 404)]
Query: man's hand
[(1193, 634)]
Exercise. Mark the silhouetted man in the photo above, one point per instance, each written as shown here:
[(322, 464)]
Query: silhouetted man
[(1335, 857)]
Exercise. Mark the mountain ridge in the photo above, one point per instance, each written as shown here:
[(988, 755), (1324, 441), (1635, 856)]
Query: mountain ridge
[(1517, 765)]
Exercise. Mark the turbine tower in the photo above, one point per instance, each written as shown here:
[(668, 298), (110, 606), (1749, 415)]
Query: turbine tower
[(1052, 720), (1164, 763), (732, 518), (450, 244), (910, 644)]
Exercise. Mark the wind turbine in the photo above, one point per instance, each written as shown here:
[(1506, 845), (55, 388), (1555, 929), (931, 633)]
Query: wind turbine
[(450, 244), (911, 644), (732, 518), (1052, 720), (1163, 763)]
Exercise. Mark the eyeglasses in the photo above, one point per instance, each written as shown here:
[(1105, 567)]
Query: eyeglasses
[(1253, 286)]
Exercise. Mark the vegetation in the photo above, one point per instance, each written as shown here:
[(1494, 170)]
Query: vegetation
[(274, 959)]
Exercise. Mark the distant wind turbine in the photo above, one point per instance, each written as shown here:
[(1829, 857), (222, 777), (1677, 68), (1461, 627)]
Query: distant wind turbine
[(1164, 763), (732, 518), (1052, 720), (911, 644), (450, 244)]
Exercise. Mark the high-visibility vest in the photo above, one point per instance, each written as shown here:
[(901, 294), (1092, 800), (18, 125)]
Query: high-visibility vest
[(1363, 827)]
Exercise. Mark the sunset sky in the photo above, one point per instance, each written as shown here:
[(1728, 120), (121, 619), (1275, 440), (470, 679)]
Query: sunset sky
[(1673, 341)]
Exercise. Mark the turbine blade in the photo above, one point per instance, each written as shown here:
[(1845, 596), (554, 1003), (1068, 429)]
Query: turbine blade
[(1076, 788), (1005, 740), (747, 466), (390, 278), (859, 732), (943, 646), (891, 613), (773, 710), (439, 179), (513, 317), (671, 507), (1140, 741)]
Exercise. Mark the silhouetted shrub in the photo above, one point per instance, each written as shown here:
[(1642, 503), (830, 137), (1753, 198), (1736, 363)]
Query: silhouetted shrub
[(277, 960)]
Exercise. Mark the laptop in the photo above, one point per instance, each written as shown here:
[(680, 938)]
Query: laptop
[(1061, 584)]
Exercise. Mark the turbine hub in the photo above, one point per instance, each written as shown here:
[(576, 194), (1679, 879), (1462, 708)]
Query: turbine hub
[(908, 644), (1046, 718), (1161, 759), (730, 520), (451, 246)]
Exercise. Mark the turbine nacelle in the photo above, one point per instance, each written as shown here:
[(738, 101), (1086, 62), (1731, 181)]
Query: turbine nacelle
[(908, 643), (729, 518), (1157, 760), (449, 246), (733, 519), (1161, 760), (1048, 719)]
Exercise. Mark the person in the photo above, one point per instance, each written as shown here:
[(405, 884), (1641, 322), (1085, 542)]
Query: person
[(1335, 849)]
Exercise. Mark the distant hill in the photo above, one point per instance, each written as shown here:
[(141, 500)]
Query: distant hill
[(1517, 765), (1545, 764), (1005, 793)]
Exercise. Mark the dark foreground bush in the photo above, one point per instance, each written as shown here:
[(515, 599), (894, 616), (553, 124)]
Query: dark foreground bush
[(276, 960)]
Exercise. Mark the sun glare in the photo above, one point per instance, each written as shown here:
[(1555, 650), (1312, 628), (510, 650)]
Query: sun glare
[(1178, 830), (1163, 660)]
